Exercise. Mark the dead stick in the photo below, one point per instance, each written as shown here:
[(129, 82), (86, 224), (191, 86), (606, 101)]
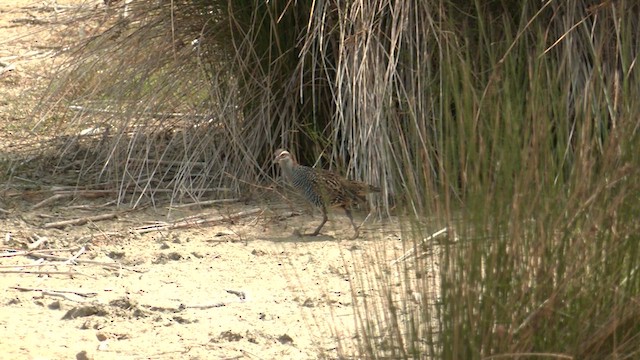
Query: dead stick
[(71, 273), (205, 306), (19, 266), (36, 244), (80, 221), (10, 253), (91, 262), (412, 250), (74, 258), (64, 296), (190, 223), (208, 202), (77, 292), (49, 200), (240, 294)]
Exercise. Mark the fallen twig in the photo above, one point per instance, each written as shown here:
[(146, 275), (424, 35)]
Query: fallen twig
[(204, 203), (10, 253), (91, 237), (70, 273), (5, 66), (181, 224), (74, 258), (240, 294), (204, 306), (67, 192), (51, 199), (91, 207), (19, 266), (91, 262), (77, 292), (428, 238), (64, 296), (79, 221), (36, 244)]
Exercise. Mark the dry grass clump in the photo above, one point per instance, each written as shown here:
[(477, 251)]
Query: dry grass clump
[(148, 103)]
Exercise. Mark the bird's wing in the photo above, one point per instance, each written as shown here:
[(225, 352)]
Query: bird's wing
[(338, 190)]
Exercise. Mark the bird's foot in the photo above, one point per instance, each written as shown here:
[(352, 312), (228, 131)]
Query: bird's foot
[(311, 234), (297, 233)]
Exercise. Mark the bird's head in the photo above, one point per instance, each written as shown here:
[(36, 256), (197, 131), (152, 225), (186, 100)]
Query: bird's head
[(284, 158)]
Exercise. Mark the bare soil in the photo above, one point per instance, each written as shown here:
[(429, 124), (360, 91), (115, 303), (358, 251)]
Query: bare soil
[(228, 288)]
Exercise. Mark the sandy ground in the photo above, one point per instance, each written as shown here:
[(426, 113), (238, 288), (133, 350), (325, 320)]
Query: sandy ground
[(245, 289), (242, 288)]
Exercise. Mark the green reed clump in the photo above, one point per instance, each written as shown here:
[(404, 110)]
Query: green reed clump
[(518, 134)]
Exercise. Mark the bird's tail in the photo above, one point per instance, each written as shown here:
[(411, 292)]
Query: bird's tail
[(361, 189)]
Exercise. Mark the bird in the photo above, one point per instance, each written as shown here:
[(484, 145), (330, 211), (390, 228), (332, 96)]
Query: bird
[(323, 188)]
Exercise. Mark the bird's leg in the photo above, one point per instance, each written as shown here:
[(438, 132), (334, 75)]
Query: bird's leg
[(324, 220), (355, 228)]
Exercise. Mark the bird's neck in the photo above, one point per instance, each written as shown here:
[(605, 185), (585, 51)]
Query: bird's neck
[(287, 169)]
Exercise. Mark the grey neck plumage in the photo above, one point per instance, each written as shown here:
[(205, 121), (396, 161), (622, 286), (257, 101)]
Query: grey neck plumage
[(287, 169)]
